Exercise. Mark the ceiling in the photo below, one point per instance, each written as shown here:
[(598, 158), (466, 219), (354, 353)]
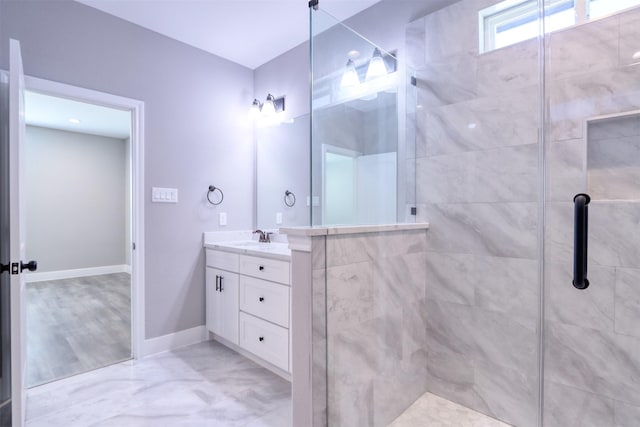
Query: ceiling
[(248, 32), (52, 112)]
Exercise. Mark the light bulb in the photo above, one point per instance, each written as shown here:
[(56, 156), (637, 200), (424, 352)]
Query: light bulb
[(377, 67), (254, 110), (269, 107), (350, 76)]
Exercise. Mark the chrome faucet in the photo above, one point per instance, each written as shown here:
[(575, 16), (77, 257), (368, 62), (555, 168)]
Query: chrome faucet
[(264, 237)]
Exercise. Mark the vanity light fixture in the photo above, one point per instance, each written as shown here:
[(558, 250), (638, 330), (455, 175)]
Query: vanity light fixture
[(269, 106), (268, 111), (350, 76), (377, 67), (254, 110)]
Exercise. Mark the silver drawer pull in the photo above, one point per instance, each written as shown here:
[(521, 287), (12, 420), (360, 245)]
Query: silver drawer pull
[(261, 299)]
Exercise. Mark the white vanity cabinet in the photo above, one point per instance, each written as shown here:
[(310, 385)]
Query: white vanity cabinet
[(264, 308), (222, 288), (252, 310)]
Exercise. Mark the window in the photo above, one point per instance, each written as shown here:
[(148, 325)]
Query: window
[(600, 8), (513, 21)]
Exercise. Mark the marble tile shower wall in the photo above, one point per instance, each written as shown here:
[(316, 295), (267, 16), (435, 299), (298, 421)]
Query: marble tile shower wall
[(477, 185), (375, 307), (592, 338)]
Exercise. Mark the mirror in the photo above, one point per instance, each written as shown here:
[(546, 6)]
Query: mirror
[(283, 166), (355, 161)]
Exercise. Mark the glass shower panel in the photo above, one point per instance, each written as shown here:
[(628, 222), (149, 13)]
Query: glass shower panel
[(478, 186), (361, 162), (447, 317), (592, 335), (363, 168)]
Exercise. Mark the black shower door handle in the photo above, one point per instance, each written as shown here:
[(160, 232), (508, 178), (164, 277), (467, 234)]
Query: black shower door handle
[(580, 238)]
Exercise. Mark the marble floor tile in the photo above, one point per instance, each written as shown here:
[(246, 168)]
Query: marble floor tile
[(204, 384), (433, 411)]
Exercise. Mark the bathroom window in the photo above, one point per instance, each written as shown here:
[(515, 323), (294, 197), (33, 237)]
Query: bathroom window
[(600, 8), (513, 21)]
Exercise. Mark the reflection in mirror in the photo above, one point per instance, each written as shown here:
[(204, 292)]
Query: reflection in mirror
[(283, 165), (355, 146), (363, 107)]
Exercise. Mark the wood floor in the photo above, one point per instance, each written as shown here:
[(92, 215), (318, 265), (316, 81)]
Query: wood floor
[(77, 325)]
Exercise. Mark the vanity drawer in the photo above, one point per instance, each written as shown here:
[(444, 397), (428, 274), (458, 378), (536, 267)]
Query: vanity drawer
[(265, 340), (267, 300), (265, 268), (223, 260)]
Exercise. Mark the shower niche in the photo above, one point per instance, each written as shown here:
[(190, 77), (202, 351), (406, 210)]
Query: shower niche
[(613, 158)]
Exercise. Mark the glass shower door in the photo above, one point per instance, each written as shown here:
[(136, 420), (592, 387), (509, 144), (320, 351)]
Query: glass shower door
[(592, 335)]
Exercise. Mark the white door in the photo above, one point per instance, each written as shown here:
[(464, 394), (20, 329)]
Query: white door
[(16, 233)]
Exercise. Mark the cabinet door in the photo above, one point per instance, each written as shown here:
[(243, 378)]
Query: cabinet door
[(222, 303)]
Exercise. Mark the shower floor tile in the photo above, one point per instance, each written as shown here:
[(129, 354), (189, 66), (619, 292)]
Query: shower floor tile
[(433, 411)]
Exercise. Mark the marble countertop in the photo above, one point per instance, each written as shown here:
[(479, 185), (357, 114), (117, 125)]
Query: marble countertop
[(273, 250)]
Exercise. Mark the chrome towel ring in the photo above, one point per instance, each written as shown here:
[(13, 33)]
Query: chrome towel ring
[(213, 189), (288, 195)]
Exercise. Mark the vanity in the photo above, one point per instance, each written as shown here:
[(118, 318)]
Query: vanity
[(248, 294)]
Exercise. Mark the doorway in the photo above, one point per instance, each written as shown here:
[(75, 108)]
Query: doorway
[(82, 188)]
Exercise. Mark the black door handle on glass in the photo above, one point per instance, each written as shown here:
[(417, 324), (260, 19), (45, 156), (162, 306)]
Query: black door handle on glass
[(580, 238)]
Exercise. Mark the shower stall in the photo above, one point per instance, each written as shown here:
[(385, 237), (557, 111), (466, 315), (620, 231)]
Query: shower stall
[(486, 124)]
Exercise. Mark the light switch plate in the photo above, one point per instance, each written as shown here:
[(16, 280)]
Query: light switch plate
[(164, 195), (278, 218)]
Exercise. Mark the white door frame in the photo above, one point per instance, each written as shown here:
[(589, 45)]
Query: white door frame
[(328, 148), (136, 108)]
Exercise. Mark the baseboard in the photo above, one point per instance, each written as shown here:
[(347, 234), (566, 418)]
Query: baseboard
[(175, 340), (78, 272)]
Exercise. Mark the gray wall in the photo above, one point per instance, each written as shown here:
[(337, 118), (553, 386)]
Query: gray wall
[(75, 189), (196, 133)]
